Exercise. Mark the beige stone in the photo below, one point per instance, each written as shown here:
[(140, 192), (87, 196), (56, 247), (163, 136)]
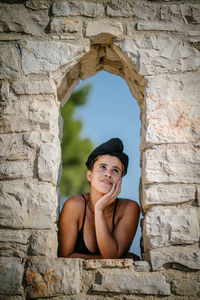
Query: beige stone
[(165, 194), (127, 282), (14, 242), (29, 113), (181, 13), (44, 243), (70, 25), (11, 274), (171, 110), (187, 256), (74, 8), (33, 22), (10, 62), (172, 164), (184, 283), (36, 59), (34, 87), (107, 263), (157, 55), (101, 27), (25, 204), (166, 226), (48, 277), (49, 159)]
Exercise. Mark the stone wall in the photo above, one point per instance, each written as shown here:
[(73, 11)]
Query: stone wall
[(46, 46)]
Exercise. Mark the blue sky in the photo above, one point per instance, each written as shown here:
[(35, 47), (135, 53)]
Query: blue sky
[(111, 111)]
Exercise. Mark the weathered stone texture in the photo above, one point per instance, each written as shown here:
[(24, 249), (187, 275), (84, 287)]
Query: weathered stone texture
[(27, 113), (157, 55), (141, 10), (11, 274), (49, 158), (164, 194), (177, 164), (31, 22), (9, 62), (77, 8), (187, 256), (12, 148), (185, 13), (111, 27), (122, 281), (171, 110), (166, 226), (37, 4), (34, 87), (14, 242), (184, 283), (43, 57), (27, 205), (43, 243), (48, 277), (69, 25)]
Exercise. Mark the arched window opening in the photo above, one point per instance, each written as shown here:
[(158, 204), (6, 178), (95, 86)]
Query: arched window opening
[(110, 112)]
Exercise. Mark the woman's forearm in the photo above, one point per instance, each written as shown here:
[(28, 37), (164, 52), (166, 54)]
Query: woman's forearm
[(84, 256), (106, 243)]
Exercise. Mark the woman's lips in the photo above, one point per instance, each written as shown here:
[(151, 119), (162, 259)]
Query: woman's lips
[(106, 181)]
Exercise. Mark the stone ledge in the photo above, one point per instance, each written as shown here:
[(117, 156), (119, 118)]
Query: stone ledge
[(128, 282)]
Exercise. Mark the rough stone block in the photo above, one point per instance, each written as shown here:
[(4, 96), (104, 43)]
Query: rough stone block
[(156, 55), (107, 263), (49, 158), (36, 139), (66, 25), (111, 27), (183, 13), (44, 243), (37, 4), (77, 8), (142, 266), (29, 113), (12, 148), (14, 242), (47, 56), (124, 281), (161, 26), (48, 277), (184, 283), (141, 10), (32, 22), (9, 62), (171, 110), (17, 169), (28, 205), (34, 87), (176, 256), (11, 274), (173, 164), (167, 194), (166, 226)]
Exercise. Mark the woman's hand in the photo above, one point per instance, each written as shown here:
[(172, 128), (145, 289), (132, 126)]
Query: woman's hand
[(110, 197)]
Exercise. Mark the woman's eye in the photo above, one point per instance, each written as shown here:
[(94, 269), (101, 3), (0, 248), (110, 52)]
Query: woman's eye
[(116, 171), (102, 167)]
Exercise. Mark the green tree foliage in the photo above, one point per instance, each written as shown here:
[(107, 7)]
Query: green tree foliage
[(75, 149)]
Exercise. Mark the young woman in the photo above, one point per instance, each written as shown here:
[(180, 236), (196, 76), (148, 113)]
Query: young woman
[(99, 224)]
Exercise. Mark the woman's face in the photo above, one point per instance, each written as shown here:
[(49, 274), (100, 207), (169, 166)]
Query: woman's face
[(106, 171)]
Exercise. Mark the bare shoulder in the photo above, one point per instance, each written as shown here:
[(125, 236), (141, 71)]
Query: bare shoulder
[(128, 206), (73, 206)]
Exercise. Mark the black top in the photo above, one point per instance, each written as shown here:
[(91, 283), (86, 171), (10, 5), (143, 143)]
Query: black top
[(80, 246)]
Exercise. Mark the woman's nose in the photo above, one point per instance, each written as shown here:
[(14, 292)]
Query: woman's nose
[(108, 173)]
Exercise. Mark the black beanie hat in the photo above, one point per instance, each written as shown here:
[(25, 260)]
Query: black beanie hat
[(112, 147)]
